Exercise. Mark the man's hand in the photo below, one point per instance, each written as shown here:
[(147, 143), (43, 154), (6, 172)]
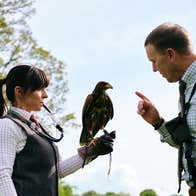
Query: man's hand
[(147, 110)]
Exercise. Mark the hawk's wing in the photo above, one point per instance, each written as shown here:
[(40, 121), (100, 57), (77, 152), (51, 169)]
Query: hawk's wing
[(85, 115), (110, 107)]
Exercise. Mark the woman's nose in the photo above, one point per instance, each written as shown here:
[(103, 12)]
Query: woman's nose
[(44, 94)]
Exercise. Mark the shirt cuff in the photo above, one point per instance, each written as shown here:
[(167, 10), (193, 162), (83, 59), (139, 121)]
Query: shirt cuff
[(158, 125)]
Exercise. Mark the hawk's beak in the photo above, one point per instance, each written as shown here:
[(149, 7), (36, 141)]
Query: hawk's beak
[(109, 86)]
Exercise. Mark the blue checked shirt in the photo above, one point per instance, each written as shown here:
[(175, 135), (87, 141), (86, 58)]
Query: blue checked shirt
[(190, 78)]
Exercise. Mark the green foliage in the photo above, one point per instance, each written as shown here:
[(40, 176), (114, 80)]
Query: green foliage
[(90, 193), (65, 190), (116, 194), (148, 192), (93, 193), (19, 47)]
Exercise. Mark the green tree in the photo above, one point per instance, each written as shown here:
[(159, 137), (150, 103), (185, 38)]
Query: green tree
[(18, 46), (148, 192), (116, 194), (91, 193), (65, 190)]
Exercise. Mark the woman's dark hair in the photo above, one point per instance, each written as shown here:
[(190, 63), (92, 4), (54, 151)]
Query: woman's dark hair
[(168, 35), (27, 77)]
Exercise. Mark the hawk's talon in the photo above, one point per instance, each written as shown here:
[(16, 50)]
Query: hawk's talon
[(105, 132), (92, 142)]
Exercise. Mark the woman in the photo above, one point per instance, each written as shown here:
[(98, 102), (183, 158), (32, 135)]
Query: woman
[(29, 161)]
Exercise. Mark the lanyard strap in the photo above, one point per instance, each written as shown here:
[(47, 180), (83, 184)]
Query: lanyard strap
[(13, 115), (187, 105)]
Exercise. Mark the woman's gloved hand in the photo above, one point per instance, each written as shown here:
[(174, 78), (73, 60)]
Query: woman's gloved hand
[(100, 146)]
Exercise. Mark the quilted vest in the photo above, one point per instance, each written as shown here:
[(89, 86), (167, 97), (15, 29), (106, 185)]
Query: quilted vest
[(35, 171)]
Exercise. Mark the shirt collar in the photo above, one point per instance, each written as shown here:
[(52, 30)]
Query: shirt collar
[(22, 112), (189, 75)]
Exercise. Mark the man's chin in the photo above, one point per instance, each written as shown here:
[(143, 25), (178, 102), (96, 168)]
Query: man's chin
[(171, 80)]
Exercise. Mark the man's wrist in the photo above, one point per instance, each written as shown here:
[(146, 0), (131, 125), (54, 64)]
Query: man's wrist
[(158, 124)]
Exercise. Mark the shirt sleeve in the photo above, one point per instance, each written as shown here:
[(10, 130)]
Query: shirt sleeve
[(8, 148), (70, 165), (166, 136)]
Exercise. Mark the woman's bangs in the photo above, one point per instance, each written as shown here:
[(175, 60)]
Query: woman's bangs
[(38, 79)]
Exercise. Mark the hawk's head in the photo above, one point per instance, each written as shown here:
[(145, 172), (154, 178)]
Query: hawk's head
[(102, 86)]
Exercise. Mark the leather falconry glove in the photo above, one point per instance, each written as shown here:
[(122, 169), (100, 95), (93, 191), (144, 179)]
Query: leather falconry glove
[(100, 146)]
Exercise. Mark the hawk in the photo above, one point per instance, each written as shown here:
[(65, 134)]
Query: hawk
[(97, 111)]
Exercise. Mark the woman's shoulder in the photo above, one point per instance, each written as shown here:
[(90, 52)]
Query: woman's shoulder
[(4, 121), (8, 126)]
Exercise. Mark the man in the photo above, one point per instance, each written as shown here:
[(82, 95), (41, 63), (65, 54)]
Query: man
[(169, 49)]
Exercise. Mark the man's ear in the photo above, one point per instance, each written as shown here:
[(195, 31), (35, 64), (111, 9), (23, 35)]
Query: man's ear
[(171, 54)]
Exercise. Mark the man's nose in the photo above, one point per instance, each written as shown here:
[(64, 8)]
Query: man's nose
[(154, 67)]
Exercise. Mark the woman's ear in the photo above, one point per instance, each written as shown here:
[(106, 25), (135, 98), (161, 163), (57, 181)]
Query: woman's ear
[(18, 91)]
